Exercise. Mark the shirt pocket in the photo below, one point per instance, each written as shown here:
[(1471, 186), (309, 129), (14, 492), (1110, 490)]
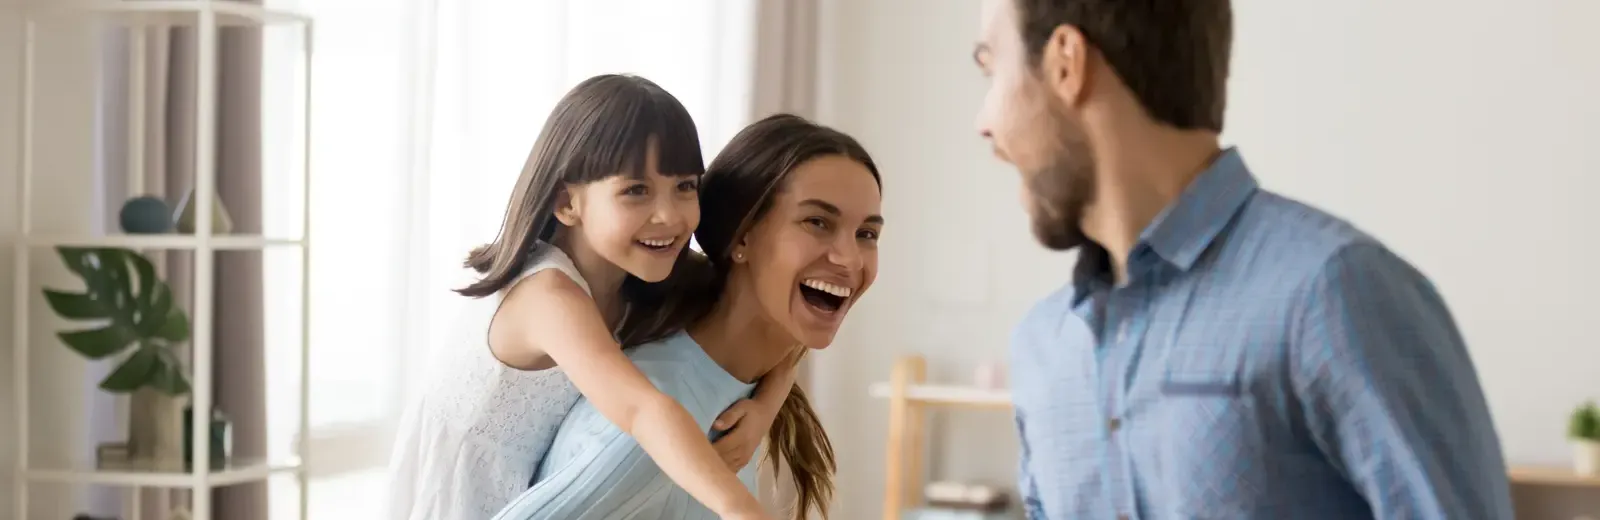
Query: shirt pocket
[(1211, 455)]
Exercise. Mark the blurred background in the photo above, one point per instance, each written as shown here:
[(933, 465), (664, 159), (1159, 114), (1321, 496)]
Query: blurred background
[(1465, 134)]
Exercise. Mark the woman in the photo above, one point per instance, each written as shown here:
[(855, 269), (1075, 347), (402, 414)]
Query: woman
[(790, 224)]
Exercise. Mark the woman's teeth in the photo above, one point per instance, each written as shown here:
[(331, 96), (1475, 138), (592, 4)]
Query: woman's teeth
[(842, 292)]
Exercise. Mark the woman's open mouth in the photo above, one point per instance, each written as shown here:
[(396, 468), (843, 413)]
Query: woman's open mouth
[(823, 296)]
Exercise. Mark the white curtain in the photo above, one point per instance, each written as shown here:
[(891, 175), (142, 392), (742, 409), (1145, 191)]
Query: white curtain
[(423, 111)]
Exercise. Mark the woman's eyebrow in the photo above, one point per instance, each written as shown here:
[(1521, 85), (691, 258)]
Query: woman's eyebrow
[(831, 209)]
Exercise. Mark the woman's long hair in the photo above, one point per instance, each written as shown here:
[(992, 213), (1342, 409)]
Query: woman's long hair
[(736, 192), (601, 128)]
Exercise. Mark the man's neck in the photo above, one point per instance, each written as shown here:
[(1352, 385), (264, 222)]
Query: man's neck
[(1137, 180), (739, 336)]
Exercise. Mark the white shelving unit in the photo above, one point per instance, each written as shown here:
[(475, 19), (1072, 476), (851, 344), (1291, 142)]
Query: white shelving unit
[(206, 17), (910, 398)]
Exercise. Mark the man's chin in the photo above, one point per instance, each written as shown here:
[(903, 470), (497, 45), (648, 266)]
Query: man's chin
[(1058, 236)]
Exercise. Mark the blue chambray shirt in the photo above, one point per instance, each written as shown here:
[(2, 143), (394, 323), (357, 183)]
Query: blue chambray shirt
[(1264, 360)]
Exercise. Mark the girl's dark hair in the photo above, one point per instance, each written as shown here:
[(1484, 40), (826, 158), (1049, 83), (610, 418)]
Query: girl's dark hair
[(601, 128), (737, 191)]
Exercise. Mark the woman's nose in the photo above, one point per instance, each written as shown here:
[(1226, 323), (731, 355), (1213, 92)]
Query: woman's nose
[(846, 253)]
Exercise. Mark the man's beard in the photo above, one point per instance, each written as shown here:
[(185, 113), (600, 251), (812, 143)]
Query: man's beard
[(1061, 190)]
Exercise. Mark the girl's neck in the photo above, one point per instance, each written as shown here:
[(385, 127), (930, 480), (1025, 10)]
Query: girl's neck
[(603, 277), (739, 336)]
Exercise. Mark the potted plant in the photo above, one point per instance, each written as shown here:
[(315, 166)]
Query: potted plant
[(132, 314), (1584, 431)]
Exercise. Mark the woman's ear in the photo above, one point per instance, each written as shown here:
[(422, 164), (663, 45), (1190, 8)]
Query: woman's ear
[(738, 252), (567, 207)]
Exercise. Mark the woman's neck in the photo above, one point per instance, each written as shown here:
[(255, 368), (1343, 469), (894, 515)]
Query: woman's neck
[(739, 336), (603, 277)]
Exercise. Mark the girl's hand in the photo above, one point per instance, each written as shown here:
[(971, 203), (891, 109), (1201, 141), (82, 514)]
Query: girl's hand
[(749, 422)]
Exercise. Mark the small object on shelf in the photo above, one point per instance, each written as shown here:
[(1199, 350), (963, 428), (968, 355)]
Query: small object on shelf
[(1584, 432), (935, 513), (221, 442), (964, 497), (145, 215), (184, 217), (111, 454), (990, 376)]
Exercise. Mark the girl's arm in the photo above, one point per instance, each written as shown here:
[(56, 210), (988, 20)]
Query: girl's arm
[(751, 419), (548, 314)]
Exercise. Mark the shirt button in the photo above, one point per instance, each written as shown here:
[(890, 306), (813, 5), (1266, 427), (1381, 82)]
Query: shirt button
[(1113, 424)]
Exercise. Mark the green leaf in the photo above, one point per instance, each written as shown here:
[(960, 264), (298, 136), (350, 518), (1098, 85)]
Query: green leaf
[(98, 343), (147, 279), (79, 260), (168, 376), (77, 306), (175, 328), (135, 372), (155, 311)]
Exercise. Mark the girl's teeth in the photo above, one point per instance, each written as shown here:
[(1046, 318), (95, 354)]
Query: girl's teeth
[(842, 292), (656, 243)]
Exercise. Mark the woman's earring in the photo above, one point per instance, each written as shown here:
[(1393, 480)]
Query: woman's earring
[(738, 257)]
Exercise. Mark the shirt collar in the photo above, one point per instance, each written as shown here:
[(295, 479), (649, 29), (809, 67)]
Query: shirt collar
[(1185, 228)]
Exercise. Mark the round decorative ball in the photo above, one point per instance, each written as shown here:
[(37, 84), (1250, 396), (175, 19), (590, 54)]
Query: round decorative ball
[(145, 215)]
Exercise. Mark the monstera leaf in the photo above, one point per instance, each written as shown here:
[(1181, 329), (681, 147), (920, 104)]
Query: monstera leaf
[(130, 307)]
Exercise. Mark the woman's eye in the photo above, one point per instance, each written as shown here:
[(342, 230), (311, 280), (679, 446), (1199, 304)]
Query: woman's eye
[(868, 234), (816, 222), (636, 189), (689, 186)]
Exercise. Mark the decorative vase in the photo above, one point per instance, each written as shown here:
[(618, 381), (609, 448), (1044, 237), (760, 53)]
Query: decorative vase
[(154, 424), (144, 215), (990, 376), (1586, 457), (220, 445), (184, 217)]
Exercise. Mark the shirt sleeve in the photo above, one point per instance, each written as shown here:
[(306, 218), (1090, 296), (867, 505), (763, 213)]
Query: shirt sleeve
[(1027, 490), (1389, 392)]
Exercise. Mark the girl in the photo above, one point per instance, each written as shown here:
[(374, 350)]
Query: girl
[(605, 205)]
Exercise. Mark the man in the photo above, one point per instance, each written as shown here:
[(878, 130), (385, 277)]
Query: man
[(1221, 351)]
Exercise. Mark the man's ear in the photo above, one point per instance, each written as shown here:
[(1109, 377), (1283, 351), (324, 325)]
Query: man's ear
[(567, 206), (1065, 64)]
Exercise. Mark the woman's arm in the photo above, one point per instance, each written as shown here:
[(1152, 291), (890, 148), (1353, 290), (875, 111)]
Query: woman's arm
[(554, 317), (751, 419)]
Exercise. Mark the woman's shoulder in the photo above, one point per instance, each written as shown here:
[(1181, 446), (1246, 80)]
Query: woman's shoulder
[(663, 355)]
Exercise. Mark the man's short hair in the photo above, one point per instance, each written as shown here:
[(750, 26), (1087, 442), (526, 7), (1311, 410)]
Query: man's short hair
[(1173, 54)]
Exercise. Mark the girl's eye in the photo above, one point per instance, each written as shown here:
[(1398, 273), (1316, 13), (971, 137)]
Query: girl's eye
[(868, 234), (692, 185), (636, 190)]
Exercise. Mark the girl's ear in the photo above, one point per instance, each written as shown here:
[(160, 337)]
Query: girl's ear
[(567, 207)]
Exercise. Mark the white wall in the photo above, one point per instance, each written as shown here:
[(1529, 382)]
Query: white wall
[(1463, 133)]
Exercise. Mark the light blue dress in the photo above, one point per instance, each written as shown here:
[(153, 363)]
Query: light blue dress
[(596, 472)]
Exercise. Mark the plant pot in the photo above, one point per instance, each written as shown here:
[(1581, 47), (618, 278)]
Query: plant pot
[(1586, 457), (155, 422)]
